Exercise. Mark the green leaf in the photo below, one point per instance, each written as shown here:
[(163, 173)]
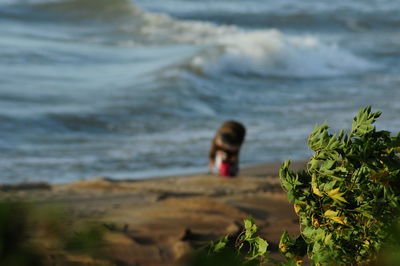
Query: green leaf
[(328, 240), (262, 245), (336, 195), (220, 245), (362, 123), (334, 215), (250, 227)]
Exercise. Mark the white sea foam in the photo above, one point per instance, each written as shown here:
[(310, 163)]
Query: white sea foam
[(272, 53), (259, 52)]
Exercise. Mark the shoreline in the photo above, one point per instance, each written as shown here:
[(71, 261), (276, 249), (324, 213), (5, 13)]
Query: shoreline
[(159, 221), (264, 169)]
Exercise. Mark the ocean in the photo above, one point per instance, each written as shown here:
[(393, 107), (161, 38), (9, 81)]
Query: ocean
[(136, 89)]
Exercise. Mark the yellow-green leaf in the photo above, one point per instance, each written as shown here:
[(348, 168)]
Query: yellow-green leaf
[(314, 187), (336, 195), (333, 215), (328, 240)]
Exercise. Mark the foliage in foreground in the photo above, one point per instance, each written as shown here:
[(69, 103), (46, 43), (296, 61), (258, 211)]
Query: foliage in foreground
[(347, 201), (348, 198), (32, 235), (245, 249)]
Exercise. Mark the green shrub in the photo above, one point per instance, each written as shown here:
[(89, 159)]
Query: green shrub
[(247, 249), (348, 197)]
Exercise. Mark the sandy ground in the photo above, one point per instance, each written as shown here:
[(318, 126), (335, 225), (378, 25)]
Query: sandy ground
[(159, 221)]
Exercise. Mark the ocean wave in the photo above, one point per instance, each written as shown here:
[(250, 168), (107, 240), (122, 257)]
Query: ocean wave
[(301, 20), (269, 52), (227, 49), (272, 53), (237, 51), (341, 15), (55, 123)]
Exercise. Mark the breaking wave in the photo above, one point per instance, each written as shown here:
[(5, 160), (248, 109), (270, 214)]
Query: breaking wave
[(225, 49), (272, 53)]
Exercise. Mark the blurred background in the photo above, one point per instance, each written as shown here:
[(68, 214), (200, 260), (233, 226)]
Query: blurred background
[(136, 89)]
